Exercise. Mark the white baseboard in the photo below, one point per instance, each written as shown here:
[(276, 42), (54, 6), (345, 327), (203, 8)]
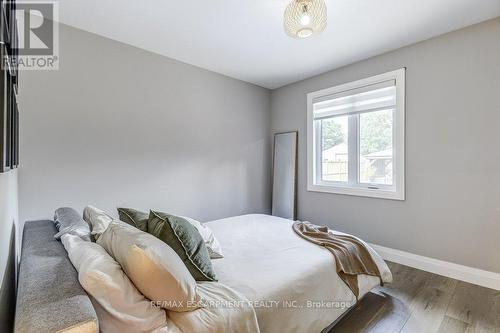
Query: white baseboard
[(440, 267)]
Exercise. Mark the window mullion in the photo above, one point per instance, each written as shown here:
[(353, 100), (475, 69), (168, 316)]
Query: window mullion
[(319, 143), (353, 144)]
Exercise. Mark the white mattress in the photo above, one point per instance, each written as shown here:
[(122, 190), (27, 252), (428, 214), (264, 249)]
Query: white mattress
[(282, 274)]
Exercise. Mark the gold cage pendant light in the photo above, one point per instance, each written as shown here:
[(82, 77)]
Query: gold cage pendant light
[(303, 18)]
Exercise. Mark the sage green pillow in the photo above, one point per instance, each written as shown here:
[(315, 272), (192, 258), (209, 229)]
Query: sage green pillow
[(186, 241), (134, 217)]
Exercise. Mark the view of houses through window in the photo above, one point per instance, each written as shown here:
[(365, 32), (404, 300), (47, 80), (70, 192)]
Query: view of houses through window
[(375, 147), (334, 149)]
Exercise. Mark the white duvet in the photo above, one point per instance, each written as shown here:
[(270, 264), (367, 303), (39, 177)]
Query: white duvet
[(291, 283)]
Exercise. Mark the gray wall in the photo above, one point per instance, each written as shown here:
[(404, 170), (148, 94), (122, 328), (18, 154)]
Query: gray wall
[(8, 224), (452, 210), (120, 126)]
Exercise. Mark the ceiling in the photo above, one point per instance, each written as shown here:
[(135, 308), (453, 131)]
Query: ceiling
[(244, 39)]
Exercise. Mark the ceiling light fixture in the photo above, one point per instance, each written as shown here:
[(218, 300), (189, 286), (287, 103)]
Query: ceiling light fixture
[(303, 18)]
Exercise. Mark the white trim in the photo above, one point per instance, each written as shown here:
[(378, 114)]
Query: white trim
[(356, 191), (358, 83), (455, 271), (311, 142), (395, 193)]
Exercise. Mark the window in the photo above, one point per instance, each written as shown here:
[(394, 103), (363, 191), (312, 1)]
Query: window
[(355, 137)]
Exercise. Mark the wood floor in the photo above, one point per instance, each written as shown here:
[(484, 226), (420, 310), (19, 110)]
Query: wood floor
[(422, 302)]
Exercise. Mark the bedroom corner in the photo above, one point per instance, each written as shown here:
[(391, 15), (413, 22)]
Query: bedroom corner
[(285, 166)]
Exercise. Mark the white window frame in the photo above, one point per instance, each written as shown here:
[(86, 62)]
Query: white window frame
[(395, 191)]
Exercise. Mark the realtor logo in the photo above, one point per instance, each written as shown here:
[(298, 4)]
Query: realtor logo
[(34, 34)]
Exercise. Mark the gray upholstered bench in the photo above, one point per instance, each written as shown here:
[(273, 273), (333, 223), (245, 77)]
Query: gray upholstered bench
[(50, 298)]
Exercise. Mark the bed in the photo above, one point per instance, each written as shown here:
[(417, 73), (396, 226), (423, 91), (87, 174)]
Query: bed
[(293, 283)]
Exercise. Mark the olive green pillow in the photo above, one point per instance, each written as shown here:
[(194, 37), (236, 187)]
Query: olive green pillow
[(134, 217), (186, 241)]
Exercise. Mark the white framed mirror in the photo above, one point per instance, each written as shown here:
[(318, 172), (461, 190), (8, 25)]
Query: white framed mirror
[(285, 175)]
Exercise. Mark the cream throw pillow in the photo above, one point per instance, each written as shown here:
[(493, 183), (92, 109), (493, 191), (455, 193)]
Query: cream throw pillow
[(97, 219), (154, 268), (213, 245), (120, 307)]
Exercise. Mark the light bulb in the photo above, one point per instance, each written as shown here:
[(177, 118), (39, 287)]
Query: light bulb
[(305, 19)]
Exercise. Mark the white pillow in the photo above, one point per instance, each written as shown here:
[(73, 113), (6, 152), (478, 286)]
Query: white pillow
[(120, 307), (97, 219), (153, 266), (212, 244)]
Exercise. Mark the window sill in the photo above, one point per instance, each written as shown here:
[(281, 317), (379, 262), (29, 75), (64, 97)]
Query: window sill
[(360, 192)]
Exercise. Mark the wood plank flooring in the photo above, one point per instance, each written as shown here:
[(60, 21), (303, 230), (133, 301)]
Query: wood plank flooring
[(421, 302)]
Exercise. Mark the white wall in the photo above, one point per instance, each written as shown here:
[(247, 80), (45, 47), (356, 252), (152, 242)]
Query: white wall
[(120, 126), (8, 219), (452, 207)]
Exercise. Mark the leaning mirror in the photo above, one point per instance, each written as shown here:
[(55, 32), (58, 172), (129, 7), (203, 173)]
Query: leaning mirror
[(285, 175)]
